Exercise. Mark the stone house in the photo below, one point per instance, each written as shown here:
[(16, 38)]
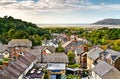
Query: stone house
[(93, 57), (103, 70)]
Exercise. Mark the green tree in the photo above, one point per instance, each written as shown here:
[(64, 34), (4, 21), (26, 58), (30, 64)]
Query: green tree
[(36, 39), (20, 34), (59, 49), (71, 56)]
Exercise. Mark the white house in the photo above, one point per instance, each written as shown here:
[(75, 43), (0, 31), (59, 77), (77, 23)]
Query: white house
[(50, 43)]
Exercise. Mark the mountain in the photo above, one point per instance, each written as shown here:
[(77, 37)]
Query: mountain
[(108, 22)]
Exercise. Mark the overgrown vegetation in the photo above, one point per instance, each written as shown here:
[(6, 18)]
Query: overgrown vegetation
[(5, 59), (72, 77), (74, 66), (11, 28), (71, 56), (104, 36), (1, 63), (46, 74)]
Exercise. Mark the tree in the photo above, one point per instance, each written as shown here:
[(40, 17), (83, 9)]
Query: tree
[(59, 49), (71, 56), (36, 40), (20, 34)]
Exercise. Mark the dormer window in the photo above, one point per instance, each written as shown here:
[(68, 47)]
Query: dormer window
[(6, 53)]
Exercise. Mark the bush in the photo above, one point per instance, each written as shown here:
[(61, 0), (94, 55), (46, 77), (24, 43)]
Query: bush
[(46, 75), (5, 59), (74, 66), (1, 63), (72, 77)]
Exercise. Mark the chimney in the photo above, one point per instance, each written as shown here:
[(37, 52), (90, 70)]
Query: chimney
[(68, 38), (101, 55), (75, 40), (85, 48)]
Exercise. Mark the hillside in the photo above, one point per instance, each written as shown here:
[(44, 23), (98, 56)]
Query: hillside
[(108, 22), (11, 28)]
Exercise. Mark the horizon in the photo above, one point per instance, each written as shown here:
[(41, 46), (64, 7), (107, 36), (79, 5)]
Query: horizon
[(60, 11)]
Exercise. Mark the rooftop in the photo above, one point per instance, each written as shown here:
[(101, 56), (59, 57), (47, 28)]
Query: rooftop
[(54, 66), (95, 53), (55, 58), (106, 71), (20, 42)]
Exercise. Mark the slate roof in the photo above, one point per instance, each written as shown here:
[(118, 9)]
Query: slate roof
[(17, 67), (75, 44), (109, 53), (95, 53), (79, 50), (50, 48), (37, 52), (3, 48), (20, 42), (48, 41), (106, 71), (66, 44), (55, 58)]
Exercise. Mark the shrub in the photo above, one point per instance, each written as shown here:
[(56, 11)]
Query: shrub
[(1, 63)]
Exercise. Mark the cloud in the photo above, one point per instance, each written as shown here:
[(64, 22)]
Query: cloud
[(30, 10), (43, 4), (104, 7)]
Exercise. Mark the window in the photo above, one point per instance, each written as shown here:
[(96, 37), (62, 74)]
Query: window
[(6, 53)]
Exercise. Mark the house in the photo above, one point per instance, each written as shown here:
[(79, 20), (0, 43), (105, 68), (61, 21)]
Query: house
[(81, 56), (93, 57), (36, 51), (18, 68), (56, 70), (20, 43), (73, 44), (4, 51), (55, 58), (103, 70), (56, 64), (17, 51), (47, 49), (60, 37), (52, 42), (112, 57)]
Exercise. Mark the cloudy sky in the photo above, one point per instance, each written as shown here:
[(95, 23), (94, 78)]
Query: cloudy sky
[(60, 11)]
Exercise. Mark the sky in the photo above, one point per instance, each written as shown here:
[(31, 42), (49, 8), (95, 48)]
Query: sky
[(60, 11)]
